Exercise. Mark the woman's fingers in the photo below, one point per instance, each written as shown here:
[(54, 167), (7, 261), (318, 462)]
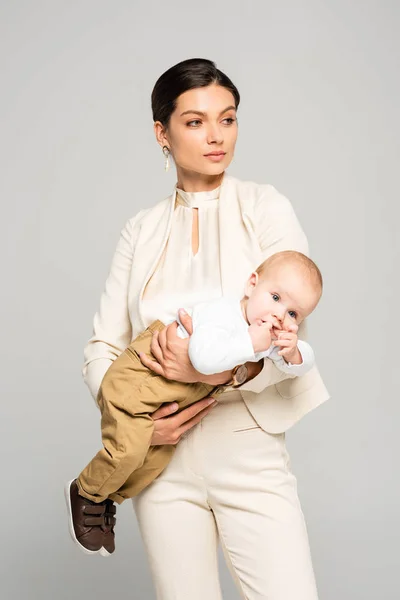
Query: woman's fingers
[(192, 417), (185, 415), (155, 346), (168, 428), (151, 364), (189, 424), (162, 341), (186, 321), (165, 410), (191, 411)]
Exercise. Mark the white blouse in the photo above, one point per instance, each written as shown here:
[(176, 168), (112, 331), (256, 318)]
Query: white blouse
[(182, 279)]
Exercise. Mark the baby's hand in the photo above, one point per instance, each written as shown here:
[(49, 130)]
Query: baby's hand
[(288, 341), (260, 333)]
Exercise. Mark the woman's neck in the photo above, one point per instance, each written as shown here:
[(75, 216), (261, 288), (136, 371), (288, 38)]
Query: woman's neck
[(197, 182)]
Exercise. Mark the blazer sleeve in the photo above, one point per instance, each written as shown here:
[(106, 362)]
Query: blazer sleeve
[(112, 328), (277, 228)]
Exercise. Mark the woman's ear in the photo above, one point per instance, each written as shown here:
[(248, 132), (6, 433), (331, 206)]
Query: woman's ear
[(160, 134)]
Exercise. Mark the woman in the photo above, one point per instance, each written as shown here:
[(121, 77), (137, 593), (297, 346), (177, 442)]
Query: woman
[(230, 477)]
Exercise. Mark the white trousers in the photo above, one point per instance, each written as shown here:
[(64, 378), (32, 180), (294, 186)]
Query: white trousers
[(228, 481)]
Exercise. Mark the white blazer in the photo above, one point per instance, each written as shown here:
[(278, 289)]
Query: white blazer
[(255, 221)]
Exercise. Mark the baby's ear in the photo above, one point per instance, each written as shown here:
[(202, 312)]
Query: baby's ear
[(251, 284)]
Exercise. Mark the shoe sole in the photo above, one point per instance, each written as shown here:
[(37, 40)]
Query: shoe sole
[(102, 551)]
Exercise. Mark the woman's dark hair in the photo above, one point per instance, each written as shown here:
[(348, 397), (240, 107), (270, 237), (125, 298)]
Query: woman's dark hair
[(184, 76)]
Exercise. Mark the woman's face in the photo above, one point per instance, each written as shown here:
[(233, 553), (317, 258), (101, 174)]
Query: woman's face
[(203, 122)]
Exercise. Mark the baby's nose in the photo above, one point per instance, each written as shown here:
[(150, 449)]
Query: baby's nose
[(279, 313)]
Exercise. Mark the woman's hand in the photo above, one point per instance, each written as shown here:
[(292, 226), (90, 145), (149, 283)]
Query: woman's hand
[(169, 428), (172, 353)]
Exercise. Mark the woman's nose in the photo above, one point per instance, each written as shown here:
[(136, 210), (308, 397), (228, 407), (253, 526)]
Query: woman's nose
[(214, 135)]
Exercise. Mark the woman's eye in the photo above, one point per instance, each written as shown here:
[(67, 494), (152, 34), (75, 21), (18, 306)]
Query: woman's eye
[(275, 297), (196, 121)]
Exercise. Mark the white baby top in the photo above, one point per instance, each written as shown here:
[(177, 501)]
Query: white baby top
[(220, 340)]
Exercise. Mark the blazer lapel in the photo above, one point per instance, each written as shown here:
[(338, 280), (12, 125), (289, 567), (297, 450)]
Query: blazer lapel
[(152, 238), (240, 252)]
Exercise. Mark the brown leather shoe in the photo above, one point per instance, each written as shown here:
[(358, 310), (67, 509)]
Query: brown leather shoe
[(109, 535), (86, 520)]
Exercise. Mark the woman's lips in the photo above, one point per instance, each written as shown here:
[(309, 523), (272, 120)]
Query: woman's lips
[(215, 157)]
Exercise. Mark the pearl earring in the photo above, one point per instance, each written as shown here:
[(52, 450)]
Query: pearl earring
[(166, 154)]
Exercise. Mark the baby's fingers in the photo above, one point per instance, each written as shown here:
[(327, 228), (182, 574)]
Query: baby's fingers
[(283, 342), (293, 328), (284, 352)]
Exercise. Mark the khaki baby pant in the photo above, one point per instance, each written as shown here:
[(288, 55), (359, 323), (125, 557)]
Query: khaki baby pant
[(128, 394)]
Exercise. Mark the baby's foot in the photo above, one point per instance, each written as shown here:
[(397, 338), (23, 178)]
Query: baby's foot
[(91, 524), (109, 535)]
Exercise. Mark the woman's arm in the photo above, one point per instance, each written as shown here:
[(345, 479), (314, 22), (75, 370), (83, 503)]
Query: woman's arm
[(112, 329)]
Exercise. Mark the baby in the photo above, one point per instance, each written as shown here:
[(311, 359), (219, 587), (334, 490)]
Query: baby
[(227, 332)]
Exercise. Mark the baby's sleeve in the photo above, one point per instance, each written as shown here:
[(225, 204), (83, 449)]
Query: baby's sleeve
[(307, 355)]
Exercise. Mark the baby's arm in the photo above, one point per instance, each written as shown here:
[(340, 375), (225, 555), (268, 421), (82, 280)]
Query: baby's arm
[(219, 341)]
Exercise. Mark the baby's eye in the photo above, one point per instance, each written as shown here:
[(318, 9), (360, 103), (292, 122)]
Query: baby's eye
[(293, 314), (275, 297)]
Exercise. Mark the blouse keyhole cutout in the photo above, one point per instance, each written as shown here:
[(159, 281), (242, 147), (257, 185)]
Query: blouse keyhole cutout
[(195, 231)]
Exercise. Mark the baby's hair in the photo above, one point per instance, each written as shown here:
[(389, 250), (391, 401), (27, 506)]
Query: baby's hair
[(296, 259)]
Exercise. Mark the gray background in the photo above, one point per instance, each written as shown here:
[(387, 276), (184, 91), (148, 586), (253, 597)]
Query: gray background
[(319, 120)]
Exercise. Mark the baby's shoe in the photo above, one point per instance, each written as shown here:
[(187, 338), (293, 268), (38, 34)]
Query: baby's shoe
[(109, 535), (87, 521)]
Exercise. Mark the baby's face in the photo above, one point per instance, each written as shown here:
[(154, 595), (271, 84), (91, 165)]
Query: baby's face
[(282, 297)]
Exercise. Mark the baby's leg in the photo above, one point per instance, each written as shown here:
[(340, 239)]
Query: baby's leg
[(128, 395), (126, 399), (157, 458)]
